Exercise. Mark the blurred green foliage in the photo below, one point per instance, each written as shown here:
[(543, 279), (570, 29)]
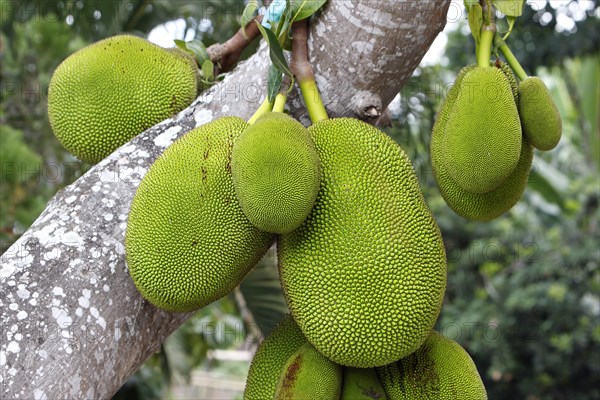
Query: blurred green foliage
[(523, 290)]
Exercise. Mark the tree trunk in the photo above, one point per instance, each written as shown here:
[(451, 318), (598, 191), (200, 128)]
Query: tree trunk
[(73, 323)]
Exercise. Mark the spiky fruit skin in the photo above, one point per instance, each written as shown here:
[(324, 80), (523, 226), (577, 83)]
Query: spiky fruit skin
[(362, 384), (482, 139), (108, 92), (307, 374), (364, 276), (508, 73), (284, 364), (440, 369), (542, 125), (188, 242), (276, 172), (477, 207)]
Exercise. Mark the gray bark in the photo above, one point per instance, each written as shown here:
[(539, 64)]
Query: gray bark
[(73, 323)]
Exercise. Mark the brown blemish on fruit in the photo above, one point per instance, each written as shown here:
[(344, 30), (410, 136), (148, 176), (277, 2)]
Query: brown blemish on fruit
[(291, 377)]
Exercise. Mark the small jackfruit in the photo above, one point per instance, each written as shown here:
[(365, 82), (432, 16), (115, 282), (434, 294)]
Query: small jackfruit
[(103, 95), (542, 125), (482, 138), (478, 207), (362, 384), (364, 276), (276, 172), (286, 366), (188, 242), (440, 369)]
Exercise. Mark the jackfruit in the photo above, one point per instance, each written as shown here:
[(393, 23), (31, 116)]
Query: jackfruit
[(108, 92), (364, 276), (362, 384), (307, 374), (482, 139), (508, 73), (440, 369), (478, 207), (542, 125), (285, 365), (188, 242), (276, 172)]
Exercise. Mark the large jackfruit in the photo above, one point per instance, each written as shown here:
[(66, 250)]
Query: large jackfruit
[(188, 242), (108, 92), (482, 139), (440, 369), (478, 207), (365, 275), (542, 125), (286, 366), (276, 172)]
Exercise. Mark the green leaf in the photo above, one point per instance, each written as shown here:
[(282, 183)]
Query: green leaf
[(195, 48), (541, 185), (181, 44), (263, 294), (302, 9), (283, 29), (248, 14), (208, 70), (275, 51), (476, 21), (512, 8), (548, 181), (273, 82)]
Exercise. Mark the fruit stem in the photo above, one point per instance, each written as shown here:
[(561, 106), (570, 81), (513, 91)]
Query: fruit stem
[(512, 61), (484, 51), (280, 100), (264, 108), (304, 73)]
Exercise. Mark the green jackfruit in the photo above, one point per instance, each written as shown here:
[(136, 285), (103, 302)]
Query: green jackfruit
[(364, 276), (482, 138), (362, 384), (508, 73), (108, 92), (286, 365), (440, 369), (307, 374), (188, 242), (542, 125), (478, 207), (276, 172)]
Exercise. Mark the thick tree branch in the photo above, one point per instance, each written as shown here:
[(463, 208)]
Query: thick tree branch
[(73, 324)]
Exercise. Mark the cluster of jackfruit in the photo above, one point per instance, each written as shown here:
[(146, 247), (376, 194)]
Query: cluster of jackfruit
[(361, 259), (287, 366), (103, 95), (482, 141)]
